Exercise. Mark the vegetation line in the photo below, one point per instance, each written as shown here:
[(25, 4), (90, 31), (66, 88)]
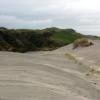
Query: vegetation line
[(23, 40)]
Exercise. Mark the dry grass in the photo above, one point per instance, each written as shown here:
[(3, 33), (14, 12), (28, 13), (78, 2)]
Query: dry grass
[(93, 71), (70, 56), (83, 42), (73, 58)]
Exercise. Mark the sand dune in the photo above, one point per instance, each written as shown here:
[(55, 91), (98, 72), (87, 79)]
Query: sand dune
[(63, 74)]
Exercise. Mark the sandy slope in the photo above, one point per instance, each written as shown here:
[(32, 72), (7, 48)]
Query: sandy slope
[(51, 75)]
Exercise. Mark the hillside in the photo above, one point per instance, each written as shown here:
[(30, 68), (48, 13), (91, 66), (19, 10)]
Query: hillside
[(62, 74), (23, 40)]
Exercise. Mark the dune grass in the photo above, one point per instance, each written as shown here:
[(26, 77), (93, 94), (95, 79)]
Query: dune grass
[(65, 37), (73, 58), (82, 42), (93, 71)]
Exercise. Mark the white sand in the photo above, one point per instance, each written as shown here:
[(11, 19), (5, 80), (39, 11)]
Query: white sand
[(51, 75)]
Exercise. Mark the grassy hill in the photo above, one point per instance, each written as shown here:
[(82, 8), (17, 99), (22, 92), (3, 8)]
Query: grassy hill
[(23, 40)]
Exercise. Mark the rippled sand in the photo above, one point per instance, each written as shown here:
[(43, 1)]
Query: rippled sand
[(63, 74)]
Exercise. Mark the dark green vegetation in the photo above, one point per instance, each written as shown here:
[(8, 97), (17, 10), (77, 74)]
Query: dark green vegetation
[(23, 40)]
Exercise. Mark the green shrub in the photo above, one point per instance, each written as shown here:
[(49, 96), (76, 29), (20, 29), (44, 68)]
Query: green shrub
[(23, 40)]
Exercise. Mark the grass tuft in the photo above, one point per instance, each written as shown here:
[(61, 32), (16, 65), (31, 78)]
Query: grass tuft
[(83, 42)]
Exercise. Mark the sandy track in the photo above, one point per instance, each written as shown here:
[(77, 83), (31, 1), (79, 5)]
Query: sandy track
[(49, 75)]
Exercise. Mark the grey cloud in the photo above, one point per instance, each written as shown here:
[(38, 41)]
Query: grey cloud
[(48, 13)]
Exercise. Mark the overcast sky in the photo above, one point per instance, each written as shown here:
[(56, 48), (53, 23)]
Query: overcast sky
[(82, 15)]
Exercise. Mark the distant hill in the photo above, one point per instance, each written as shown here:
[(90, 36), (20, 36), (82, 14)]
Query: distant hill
[(23, 40), (3, 28)]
